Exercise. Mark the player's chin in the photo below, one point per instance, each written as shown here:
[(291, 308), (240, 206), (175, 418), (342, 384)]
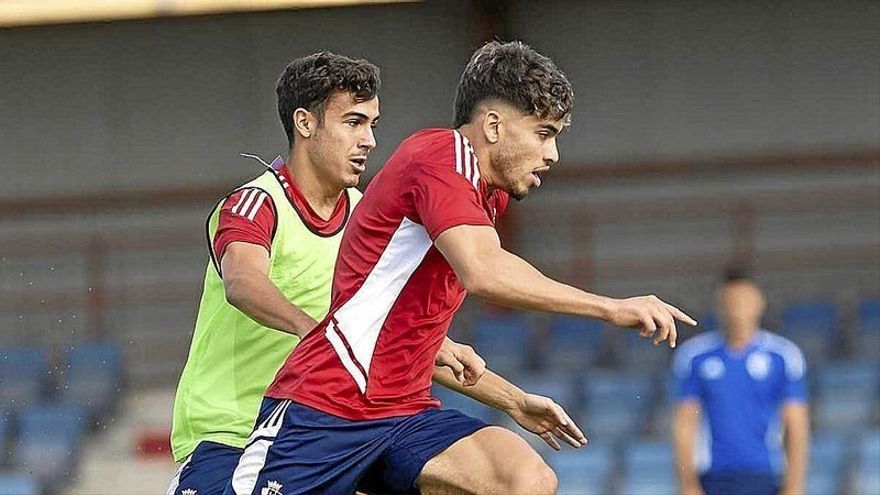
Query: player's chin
[(351, 180)]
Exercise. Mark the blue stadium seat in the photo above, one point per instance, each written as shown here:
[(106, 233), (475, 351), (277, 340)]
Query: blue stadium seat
[(868, 338), (813, 326), (559, 387), (649, 468), (867, 476), (18, 484), (453, 400), (851, 378), (23, 377), (615, 405), (92, 377), (848, 414), (4, 430), (869, 315), (47, 441), (828, 455), (574, 343), (640, 354), (709, 323), (503, 340), (586, 471)]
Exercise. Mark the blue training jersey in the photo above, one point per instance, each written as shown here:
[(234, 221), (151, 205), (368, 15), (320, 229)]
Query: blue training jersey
[(741, 393)]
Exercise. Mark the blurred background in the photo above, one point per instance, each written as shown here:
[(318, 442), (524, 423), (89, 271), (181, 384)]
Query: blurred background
[(704, 134)]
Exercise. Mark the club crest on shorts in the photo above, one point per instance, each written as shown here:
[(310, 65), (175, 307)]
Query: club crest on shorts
[(189, 491), (272, 488)]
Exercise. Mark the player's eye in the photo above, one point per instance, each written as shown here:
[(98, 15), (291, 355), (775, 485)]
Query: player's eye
[(352, 123)]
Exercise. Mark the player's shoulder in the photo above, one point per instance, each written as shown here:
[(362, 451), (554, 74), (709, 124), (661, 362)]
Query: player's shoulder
[(788, 351), (694, 348)]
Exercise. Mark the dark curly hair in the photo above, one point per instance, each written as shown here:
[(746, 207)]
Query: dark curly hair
[(308, 82), (515, 73)]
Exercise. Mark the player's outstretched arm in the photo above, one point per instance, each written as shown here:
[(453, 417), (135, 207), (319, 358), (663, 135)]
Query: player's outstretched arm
[(535, 413), (248, 287), (488, 271)]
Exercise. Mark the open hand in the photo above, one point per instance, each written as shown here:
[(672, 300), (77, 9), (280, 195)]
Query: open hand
[(547, 419)]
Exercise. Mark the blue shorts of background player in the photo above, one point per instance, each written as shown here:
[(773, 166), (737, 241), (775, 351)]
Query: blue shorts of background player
[(297, 450), (740, 483), (207, 470)]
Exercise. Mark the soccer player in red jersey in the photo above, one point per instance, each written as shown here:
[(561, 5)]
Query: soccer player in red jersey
[(351, 408)]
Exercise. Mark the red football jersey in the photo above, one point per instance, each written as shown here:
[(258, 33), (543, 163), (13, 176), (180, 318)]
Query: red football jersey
[(394, 295)]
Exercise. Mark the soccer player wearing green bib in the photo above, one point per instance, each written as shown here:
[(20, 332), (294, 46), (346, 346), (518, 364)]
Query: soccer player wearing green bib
[(273, 244)]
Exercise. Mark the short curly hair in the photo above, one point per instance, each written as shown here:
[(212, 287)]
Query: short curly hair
[(517, 74), (308, 82)]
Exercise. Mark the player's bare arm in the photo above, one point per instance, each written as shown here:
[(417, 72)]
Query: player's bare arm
[(535, 413), (245, 269), (489, 272), (684, 430), (796, 428)]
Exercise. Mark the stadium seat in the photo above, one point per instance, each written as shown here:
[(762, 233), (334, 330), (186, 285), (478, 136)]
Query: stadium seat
[(47, 441), (848, 414), (18, 484), (23, 377), (638, 354), (850, 378), (813, 326), (867, 476), (559, 387), (454, 400), (649, 468), (574, 343), (615, 405), (828, 455), (503, 340), (92, 377), (868, 338), (585, 471)]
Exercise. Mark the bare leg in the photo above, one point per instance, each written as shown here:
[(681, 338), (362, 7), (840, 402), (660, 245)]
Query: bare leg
[(492, 461)]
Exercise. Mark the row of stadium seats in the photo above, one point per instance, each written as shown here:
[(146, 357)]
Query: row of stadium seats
[(46, 410), (845, 397), (839, 465), (511, 344)]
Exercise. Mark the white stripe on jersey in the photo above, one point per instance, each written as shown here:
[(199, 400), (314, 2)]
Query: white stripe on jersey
[(257, 204), (458, 164), (361, 318), (466, 163), (476, 178), (247, 204), (242, 199), (468, 167)]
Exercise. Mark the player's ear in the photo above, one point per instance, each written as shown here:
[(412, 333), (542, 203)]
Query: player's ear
[(491, 122), (303, 122)]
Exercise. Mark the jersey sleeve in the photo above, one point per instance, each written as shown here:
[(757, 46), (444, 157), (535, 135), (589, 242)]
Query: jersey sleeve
[(443, 198), (686, 382), (795, 389), (248, 215)]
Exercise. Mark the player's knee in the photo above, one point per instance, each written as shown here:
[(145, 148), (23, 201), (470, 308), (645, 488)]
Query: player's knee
[(536, 479)]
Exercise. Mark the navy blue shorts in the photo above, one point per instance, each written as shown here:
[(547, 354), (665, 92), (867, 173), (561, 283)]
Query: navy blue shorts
[(207, 471), (297, 450), (740, 483)]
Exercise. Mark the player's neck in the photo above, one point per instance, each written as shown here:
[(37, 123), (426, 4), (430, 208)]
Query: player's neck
[(322, 195), (739, 338)]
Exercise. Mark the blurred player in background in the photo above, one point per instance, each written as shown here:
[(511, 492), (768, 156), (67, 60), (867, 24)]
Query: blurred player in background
[(738, 386), (273, 243), (352, 408)]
